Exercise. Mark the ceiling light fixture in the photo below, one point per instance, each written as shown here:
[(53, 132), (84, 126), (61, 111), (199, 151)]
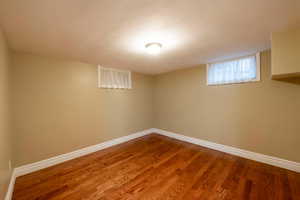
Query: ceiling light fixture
[(153, 48)]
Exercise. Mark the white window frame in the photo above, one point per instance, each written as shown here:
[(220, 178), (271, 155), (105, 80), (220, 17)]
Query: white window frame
[(116, 70), (258, 78)]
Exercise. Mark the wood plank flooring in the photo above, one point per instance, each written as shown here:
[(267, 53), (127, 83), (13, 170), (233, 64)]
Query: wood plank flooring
[(157, 167)]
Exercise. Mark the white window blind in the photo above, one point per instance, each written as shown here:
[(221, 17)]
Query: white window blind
[(114, 78), (240, 70)]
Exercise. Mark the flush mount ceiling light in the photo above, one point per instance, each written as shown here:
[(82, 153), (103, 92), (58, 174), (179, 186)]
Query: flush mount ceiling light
[(153, 48)]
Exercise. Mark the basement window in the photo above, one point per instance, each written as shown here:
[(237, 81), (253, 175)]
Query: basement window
[(241, 70), (113, 78)]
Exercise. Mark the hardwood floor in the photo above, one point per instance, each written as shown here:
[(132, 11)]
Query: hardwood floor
[(157, 167)]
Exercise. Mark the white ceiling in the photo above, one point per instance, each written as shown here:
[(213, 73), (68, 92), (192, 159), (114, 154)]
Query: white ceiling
[(113, 33)]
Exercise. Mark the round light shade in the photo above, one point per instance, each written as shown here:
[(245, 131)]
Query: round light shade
[(153, 48)]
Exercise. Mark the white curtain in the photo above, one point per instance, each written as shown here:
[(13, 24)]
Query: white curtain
[(114, 78), (234, 71)]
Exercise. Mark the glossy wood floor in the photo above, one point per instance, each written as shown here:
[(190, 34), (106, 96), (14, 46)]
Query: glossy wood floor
[(157, 167)]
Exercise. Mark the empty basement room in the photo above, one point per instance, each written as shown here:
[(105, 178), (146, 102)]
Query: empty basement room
[(143, 99)]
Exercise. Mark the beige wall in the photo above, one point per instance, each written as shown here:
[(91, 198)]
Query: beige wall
[(262, 117), (286, 53), (5, 136), (57, 107)]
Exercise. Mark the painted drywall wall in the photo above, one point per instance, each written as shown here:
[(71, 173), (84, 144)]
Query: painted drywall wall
[(262, 117), (286, 54), (57, 107), (5, 133)]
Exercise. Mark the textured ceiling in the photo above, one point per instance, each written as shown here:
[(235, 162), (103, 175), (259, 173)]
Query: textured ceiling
[(113, 33)]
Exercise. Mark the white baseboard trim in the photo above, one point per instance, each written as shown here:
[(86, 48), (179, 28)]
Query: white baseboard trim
[(11, 185), (278, 162), (26, 169)]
